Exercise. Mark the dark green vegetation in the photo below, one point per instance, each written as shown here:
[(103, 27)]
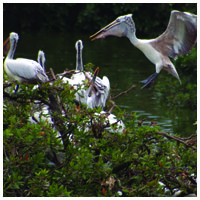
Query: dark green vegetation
[(95, 162), (88, 17)]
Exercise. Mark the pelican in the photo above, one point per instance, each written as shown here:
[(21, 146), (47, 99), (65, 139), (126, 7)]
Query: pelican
[(41, 59), (178, 39), (97, 94), (22, 69), (115, 125)]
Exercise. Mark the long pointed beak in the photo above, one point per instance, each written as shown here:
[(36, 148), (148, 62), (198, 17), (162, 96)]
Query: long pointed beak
[(96, 72), (6, 46), (105, 31)]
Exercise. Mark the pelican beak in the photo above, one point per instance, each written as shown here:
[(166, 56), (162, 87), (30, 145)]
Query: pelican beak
[(6, 46), (93, 81), (96, 72), (111, 29), (6, 41)]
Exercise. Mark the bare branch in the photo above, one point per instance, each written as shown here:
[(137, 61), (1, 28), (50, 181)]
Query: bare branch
[(187, 144), (66, 73), (125, 92), (52, 73)]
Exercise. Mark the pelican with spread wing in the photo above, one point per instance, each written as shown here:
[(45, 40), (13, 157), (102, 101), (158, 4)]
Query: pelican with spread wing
[(178, 39)]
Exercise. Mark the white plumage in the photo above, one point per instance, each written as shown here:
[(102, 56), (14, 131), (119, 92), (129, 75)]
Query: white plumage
[(22, 69), (98, 89)]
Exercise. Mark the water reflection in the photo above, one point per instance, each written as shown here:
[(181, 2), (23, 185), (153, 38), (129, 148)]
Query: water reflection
[(122, 63)]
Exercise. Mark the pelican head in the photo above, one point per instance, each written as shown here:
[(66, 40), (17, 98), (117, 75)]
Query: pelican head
[(14, 36), (122, 26), (13, 43), (79, 60)]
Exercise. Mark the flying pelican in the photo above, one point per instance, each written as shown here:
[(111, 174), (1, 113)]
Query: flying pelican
[(178, 39), (41, 59), (97, 94), (22, 69)]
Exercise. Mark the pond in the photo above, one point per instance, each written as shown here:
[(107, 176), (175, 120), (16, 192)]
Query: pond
[(122, 63)]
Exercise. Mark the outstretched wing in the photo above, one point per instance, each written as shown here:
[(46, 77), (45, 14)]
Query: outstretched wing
[(180, 35)]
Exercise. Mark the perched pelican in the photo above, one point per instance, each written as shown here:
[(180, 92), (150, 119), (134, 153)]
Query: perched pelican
[(99, 90), (41, 59), (21, 69), (97, 94), (178, 39)]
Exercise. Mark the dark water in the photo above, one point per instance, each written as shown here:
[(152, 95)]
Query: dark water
[(122, 63)]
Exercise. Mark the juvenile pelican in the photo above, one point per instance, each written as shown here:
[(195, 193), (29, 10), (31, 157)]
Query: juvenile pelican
[(21, 69), (97, 94), (178, 39)]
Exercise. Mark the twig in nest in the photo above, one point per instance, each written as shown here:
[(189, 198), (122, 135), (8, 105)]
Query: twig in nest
[(113, 106), (125, 92), (52, 73), (66, 73), (5, 85)]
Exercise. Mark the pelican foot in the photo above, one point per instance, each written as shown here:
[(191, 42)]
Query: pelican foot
[(17, 87), (149, 81)]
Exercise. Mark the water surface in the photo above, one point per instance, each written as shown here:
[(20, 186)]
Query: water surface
[(122, 63)]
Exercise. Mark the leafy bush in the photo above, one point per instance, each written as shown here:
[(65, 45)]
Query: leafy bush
[(69, 151)]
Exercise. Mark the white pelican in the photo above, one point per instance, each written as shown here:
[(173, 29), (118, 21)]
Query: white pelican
[(21, 69), (178, 39), (98, 91), (97, 94), (41, 59)]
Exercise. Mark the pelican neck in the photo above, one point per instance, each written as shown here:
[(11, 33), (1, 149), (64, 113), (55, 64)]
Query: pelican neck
[(12, 49)]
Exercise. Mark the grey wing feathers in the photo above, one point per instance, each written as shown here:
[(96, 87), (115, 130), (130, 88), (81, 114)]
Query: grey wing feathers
[(180, 35), (185, 32)]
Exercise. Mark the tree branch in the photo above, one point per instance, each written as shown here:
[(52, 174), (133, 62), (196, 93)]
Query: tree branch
[(125, 92), (187, 144)]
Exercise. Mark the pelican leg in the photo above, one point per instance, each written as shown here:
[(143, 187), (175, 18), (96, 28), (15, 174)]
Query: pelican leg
[(17, 87), (148, 82)]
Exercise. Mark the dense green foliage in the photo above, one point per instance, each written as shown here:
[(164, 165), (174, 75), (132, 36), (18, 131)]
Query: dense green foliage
[(90, 161)]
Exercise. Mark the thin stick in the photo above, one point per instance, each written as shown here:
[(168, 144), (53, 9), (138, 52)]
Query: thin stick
[(66, 73), (5, 85), (125, 92), (52, 73), (113, 105)]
